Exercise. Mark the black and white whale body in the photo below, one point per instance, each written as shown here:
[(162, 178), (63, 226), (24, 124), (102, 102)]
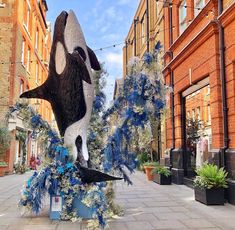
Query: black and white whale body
[(70, 90)]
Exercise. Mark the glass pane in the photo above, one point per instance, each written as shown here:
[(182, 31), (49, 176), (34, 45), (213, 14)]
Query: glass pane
[(183, 11)]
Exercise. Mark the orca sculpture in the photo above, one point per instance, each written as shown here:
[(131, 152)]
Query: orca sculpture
[(70, 90)]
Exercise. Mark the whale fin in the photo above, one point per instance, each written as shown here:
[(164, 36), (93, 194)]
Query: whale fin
[(93, 59), (89, 175), (85, 74), (38, 92)]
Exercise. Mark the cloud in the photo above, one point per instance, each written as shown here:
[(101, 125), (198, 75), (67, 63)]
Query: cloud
[(126, 2), (114, 59), (111, 12)]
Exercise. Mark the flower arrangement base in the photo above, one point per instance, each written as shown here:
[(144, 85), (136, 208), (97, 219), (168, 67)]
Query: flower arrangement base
[(214, 196), (161, 179), (56, 203)]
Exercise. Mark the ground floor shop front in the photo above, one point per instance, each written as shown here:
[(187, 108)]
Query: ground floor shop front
[(200, 126)]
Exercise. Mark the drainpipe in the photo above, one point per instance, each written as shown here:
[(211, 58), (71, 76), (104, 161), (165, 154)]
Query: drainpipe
[(172, 85), (147, 23), (223, 87)]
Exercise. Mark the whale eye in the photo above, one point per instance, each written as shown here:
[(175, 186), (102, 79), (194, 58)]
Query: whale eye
[(81, 52)]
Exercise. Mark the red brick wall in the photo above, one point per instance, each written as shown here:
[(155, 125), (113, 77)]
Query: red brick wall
[(198, 49)]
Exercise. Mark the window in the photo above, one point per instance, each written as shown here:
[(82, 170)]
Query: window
[(198, 5), (157, 9), (143, 30), (28, 59), (198, 113), (183, 16), (27, 9), (42, 49), (37, 73), (188, 114), (23, 52), (21, 86), (36, 39), (208, 90), (209, 113), (193, 114)]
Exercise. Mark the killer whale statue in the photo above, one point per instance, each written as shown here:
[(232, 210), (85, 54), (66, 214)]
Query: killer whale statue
[(70, 90)]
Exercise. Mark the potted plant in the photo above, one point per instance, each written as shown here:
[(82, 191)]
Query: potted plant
[(161, 175), (142, 158), (209, 184), (3, 168), (148, 167)]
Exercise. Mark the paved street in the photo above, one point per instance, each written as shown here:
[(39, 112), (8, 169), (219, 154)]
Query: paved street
[(146, 204)]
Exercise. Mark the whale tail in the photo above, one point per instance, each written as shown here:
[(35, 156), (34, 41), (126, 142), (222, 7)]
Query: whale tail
[(89, 175)]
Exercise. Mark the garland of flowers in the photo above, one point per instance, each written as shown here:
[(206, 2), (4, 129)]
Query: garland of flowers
[(143, 96)]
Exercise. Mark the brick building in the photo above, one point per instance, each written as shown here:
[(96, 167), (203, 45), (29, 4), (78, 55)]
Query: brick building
[(200, 65), (145, 31), (25, 42)]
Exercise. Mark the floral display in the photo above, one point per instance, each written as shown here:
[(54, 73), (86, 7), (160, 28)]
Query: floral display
[(143, 95)]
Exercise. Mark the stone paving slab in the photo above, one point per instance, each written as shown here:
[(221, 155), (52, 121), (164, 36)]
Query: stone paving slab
[(147, 206)]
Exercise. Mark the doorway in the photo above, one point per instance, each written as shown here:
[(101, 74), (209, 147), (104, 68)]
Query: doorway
[(197, 135)]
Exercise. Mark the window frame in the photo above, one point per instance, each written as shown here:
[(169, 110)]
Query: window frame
[(23, 51), (182, 20), (143, 30), (197, 4)]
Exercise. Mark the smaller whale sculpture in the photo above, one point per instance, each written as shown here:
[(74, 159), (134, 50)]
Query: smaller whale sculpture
[(69, 89)]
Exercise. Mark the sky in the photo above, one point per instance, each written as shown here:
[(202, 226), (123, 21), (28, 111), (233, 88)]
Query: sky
[(104, 23)]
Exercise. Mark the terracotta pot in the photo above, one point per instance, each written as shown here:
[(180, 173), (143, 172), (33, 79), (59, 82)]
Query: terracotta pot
[(148, 171)]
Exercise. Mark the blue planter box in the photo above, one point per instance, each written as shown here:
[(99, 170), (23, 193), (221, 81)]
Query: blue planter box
[(56, 203)]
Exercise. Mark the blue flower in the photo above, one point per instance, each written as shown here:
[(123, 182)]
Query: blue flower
[(158, 46), (69, 166), (73, 181), (148, 58), (60, 170)]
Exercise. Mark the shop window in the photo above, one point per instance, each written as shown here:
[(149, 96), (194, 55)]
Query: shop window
[(197, 128), (198, 5), (183, 16)]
